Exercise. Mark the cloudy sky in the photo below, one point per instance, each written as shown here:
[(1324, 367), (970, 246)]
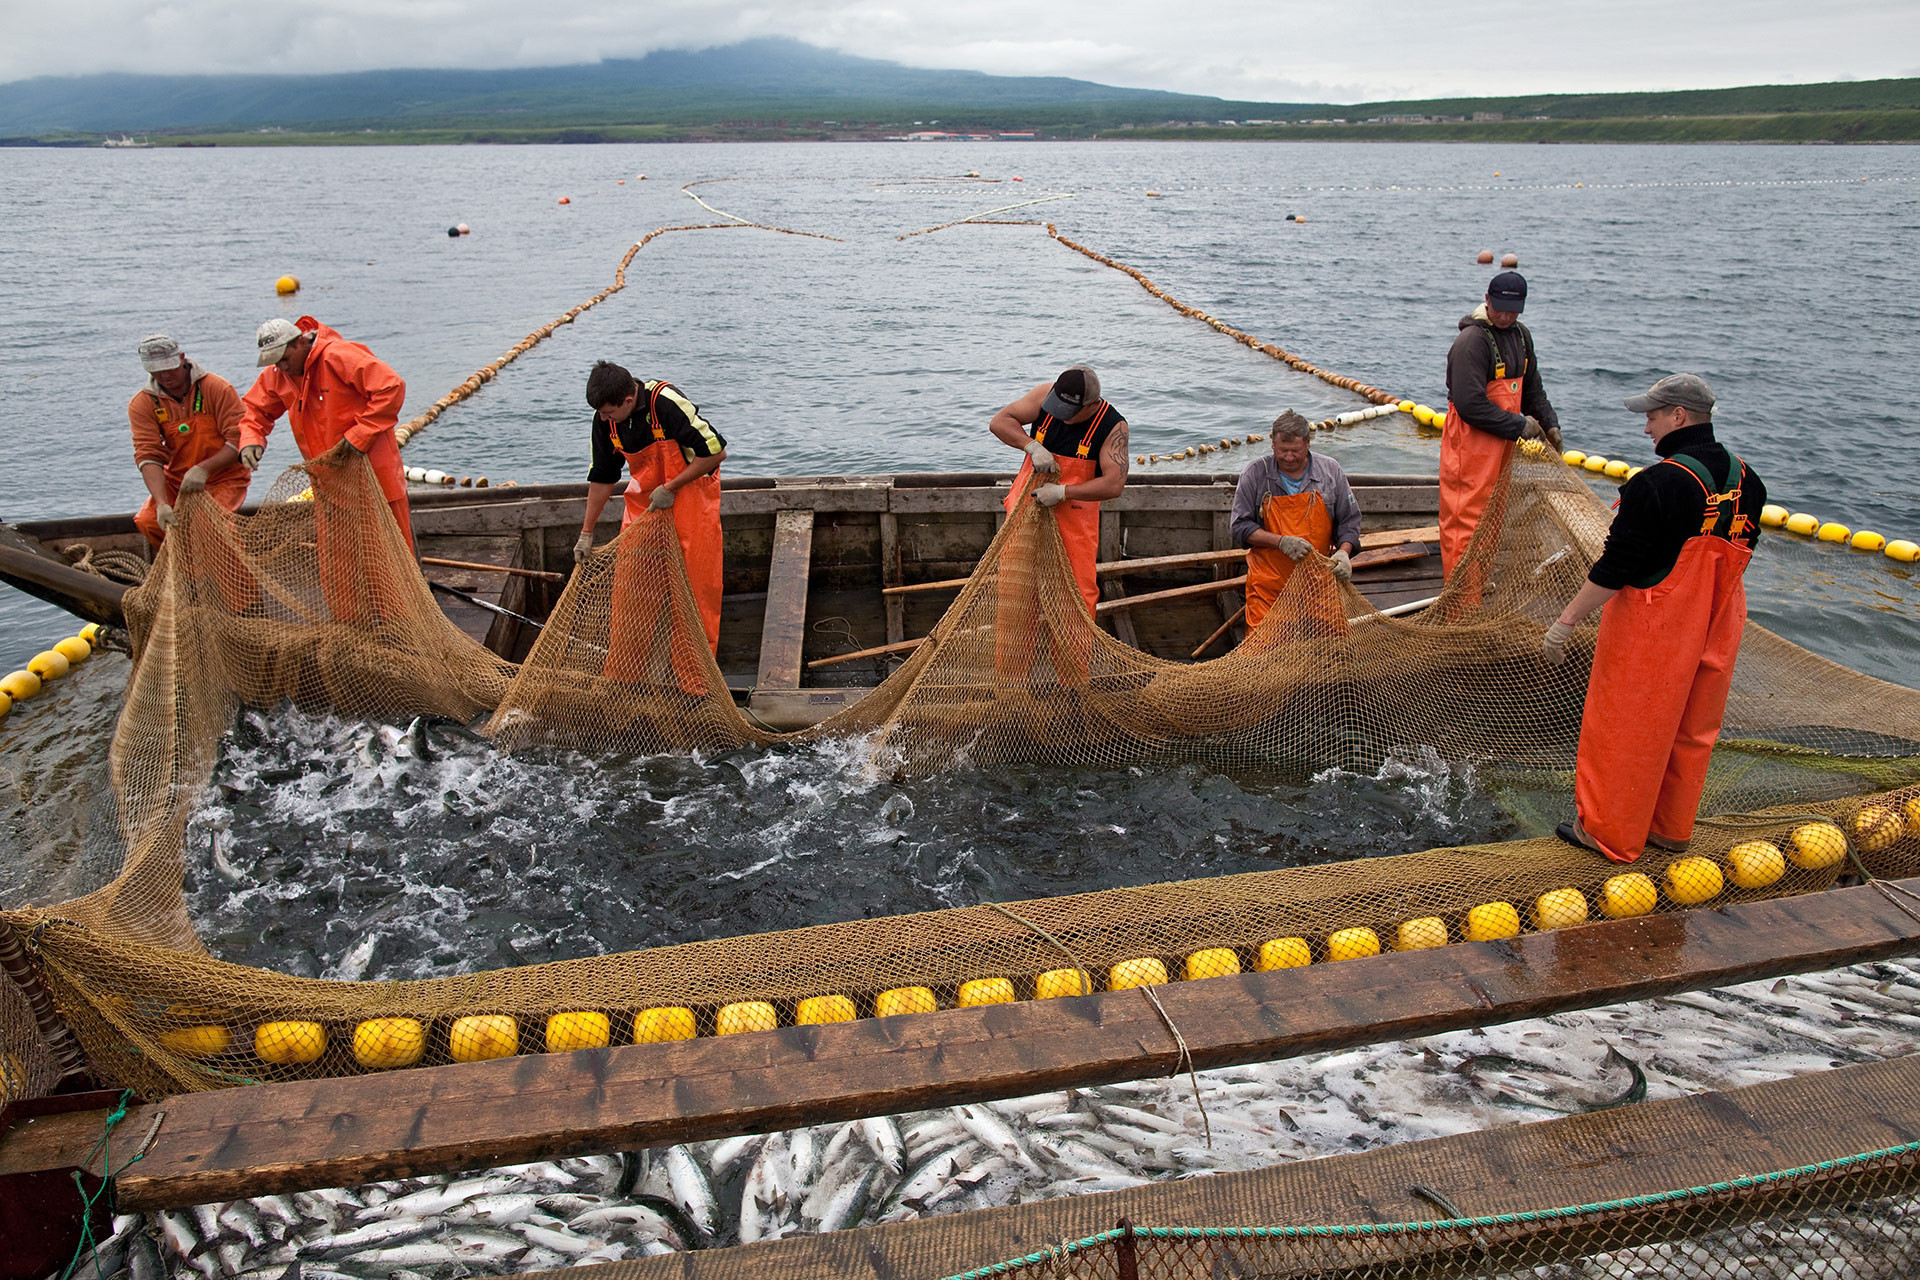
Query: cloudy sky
[(1274, 50)]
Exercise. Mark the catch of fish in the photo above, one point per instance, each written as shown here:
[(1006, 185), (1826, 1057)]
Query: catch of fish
[(739, 1190)]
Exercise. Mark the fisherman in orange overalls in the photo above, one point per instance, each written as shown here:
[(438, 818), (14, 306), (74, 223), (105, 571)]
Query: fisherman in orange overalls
[(1288, 506), (1071, 434), (1494, 397), (186, 435), (673, 456), (1670, 581)]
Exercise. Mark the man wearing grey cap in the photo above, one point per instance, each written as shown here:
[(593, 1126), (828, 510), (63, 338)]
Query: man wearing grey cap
[(186, 435), (1074, 436), (1494, 397), (1673, 602)]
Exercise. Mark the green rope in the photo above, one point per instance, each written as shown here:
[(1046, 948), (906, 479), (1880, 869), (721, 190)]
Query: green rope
[(104, 1149), (1652, 1200)]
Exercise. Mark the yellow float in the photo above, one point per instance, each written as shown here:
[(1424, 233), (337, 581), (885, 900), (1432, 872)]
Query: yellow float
[(6, 704), (49, 665), (380, 1044), (1802, 523), (582, 1030), (817, 1011), (1628, 895), (981, 991), (1283, 953), (1755, 864), (904, 1000), (1904, 551), (1867, 540), (1833, 531), (671, 1022), (1573, 457), (1214, 962), (1559, 908), (1056, 983), (481, 1037), (1617, 469), (286, 285), (1405, 406), (1491, 921), (1815, 846), (1913, 816), (1353, 944), (1774, 515), (1145, 971), (289, 1044), (197, 1042), (1691, 881), (1418, 935), (76, 651), (743, 1016), (1877, 827), (1594, 462)]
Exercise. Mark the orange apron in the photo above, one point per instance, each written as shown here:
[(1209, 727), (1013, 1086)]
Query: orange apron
[(1661, 671), (696, 519), (1079, 521), (1303, 515), (194, 441), (1471, 461)]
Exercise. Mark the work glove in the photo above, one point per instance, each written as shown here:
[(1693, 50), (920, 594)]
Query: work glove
[(1294, 548), (340, 452), (1343, 565), (1553, 647), (163, 516), (1043, 459), (1050, 495), (1531, 431), (583, 546), (194, 481), (250, 455), (1553, 438), (660, 499)]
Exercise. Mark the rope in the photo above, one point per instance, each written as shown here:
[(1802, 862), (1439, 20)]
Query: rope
[(128, 567), (104, 1149), (986, 213), (742, 222)]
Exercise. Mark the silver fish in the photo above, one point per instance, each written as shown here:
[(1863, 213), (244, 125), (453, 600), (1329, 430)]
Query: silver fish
[(503, 1208), (143, 1258), (558, 1241), (568, 1204), (1115, 1114), (434, 1200), (420, 1253), (803, 1160), (277, 1208), (241, 1219), (374, 1234), (178, 1236), (848, 1205), (928, 1176), (882, 1137), (483, 1245), (206, 1222), (232, 1255), (994, 1133), (692, 1190), (636, 1217), (727, 1155)]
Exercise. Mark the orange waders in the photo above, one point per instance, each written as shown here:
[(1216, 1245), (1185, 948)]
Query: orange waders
[(1661, 671), (1303, 515), (1471, 461), (192, 441), (1079, 522)]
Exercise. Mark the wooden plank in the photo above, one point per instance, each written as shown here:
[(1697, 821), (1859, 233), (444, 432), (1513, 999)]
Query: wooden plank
[(336, 1132), (1197, 590), (1109, 549), (494, 568), (783, 633), (878, 651), (791, 709), (891, 575)]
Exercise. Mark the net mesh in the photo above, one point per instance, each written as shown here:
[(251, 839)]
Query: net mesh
[(315, 601)]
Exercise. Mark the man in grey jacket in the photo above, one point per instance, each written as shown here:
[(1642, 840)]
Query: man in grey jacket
[(1288, 504)]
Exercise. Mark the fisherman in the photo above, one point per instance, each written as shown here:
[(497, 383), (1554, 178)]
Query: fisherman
[(1291, 504), (186, 435), (341, 398), (1494, 397), (1078, 440), (1670, 581), (673, 457)]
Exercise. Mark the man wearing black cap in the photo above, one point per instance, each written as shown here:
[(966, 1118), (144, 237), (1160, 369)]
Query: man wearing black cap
[(1072, 434), (1494, 398), (1670, 586)]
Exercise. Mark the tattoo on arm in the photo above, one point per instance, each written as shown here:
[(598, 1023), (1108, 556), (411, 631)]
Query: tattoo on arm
[(1114, 457)]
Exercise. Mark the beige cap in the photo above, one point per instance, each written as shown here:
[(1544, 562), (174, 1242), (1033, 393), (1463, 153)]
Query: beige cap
[(273, 338), (158, 353)]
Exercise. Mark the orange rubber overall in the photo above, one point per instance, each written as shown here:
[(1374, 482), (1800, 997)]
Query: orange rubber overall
[(1079, 521), (1662, 667), (1471, 461), (1303, 515)]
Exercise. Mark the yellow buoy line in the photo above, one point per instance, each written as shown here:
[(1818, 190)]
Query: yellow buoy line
[(47, 666), (394, 1041)]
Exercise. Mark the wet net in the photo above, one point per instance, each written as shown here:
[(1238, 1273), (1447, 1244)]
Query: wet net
[(315, 601)]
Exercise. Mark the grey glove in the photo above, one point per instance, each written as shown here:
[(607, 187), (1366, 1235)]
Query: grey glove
[(250, 456), (1553, 438), (194, 481), (1531, 431), (583, 546), (660, 499), (1043, 459), (1050, 495), (163, 516), (1295, 548), (1343, 565), (1553, 647)]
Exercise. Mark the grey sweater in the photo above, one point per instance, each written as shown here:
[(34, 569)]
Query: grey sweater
[(1261, 480)]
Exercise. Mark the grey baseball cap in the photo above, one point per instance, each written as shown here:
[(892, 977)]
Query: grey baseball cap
[(1073, 390), (159, 353), (273, 337), (1688, 390)]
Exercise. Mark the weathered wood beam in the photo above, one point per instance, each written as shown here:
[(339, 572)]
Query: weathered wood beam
[(783, 635), (338, 1131)]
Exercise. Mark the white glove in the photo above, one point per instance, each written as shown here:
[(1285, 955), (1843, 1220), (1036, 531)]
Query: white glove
[(660, 499), (1050, 495), (1294, 548), (1043, 460), (250, 456), (194, 481), (1553, 647), (1553, 438), (163, 516), (1343, 565), (1531, 431), (583, 546)]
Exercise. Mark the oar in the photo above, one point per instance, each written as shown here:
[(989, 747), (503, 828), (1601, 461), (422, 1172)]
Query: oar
[(490, 607), (541, 574), (1226, 626)]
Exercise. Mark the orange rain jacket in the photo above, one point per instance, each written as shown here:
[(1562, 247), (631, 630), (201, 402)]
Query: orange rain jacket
[(347, 393), (182, 434)]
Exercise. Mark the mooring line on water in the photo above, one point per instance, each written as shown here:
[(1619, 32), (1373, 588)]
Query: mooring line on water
[(987, 213), (687, 190)]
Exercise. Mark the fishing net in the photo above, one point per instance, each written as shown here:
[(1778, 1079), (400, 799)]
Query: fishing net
[(316, 602)]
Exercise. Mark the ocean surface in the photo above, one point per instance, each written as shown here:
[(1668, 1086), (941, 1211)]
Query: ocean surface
[(1787, 276)]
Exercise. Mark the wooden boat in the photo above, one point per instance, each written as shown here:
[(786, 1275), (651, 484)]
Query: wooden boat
[(828, 578)]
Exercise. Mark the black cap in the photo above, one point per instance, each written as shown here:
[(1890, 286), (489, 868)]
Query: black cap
[(1073, 391), (1507, 292)]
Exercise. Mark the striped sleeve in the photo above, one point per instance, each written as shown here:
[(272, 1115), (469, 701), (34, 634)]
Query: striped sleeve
[(680, 418)]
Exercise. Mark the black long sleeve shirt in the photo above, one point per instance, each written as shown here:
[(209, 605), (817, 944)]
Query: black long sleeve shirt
[(1662, 507), (1470, 369)]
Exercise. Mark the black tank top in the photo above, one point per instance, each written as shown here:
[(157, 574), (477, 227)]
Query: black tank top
[(1078, 440)]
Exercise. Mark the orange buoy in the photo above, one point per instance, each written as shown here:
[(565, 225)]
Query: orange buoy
[(1486, 258), (1510, 260), (566, 200)]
